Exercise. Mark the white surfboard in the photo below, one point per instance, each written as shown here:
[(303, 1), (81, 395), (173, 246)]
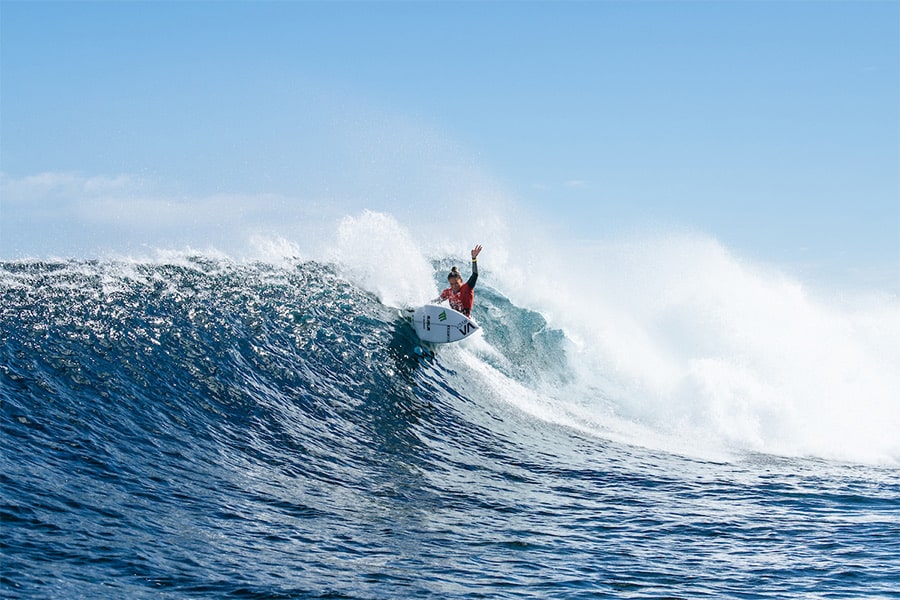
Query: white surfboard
[(440, 324)]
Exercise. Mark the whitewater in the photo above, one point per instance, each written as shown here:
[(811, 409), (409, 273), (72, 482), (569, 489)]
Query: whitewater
[(639, 418)]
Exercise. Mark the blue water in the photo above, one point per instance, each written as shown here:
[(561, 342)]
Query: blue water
[(206, 428)]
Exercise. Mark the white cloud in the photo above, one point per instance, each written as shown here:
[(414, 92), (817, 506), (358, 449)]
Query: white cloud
[(59, 185), (64, 212), (125, 200)]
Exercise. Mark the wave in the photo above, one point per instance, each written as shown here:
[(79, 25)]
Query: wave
[(168, 422), (677, 346)]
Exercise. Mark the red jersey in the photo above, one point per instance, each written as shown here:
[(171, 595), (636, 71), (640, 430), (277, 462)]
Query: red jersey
[(462, 300)]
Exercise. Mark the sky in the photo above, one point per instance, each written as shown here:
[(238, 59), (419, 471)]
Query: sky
[(773, 127)]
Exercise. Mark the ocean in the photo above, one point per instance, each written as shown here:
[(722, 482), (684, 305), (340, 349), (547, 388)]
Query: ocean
[(193, 425)]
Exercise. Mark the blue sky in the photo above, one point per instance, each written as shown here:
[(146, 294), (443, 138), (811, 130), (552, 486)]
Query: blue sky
[(773, 127)]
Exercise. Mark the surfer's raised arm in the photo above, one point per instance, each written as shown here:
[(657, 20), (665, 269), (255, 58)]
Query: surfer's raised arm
[(474, 277), (461, 295)]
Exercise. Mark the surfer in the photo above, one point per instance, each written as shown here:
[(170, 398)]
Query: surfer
[(461, 295)]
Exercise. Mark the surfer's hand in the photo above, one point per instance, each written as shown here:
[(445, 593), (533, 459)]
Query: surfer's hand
[(476, 251)]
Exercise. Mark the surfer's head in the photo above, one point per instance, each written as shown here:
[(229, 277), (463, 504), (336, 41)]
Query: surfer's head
[(455, 279)]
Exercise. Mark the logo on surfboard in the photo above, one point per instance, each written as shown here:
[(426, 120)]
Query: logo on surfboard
[(466, 327)]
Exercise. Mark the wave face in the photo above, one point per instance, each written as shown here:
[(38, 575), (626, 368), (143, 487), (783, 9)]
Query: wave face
[(196, 426)]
